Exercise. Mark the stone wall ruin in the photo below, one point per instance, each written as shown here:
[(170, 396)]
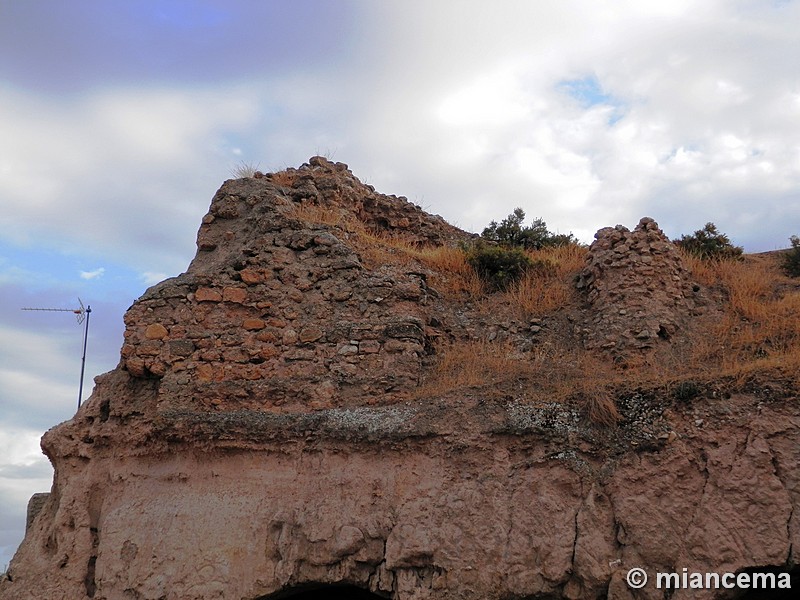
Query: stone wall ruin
[(638, 290), (272, 300)]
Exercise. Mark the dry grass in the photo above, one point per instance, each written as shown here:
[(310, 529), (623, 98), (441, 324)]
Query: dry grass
[(750, 334), (450, 272), (550, 373), (568, 259), (545, 290), (284, 178), (538, 293), (473, 363), (759, 328), (244, 169), (321, 215), (601, 409)]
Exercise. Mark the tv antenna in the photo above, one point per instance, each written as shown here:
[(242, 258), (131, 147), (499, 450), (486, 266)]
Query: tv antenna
[(83, 318)]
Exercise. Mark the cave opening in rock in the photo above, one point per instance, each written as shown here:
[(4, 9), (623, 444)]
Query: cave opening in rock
[(325, 592)]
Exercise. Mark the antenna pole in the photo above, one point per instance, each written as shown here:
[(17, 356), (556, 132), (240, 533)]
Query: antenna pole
[(83, 316), (88, 312)]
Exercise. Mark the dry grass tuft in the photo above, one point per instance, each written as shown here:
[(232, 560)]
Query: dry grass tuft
[(283, 178), (568, 259), (601, 409), (549, 373), (244, 169), (759, 327), (545, 290), (450, 272), (322, 215)]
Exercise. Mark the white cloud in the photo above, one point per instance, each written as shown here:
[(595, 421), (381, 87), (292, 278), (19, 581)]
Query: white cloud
[(479, 125), (460, 109), (39, 374), (97, 273), (24, 470), (38, 389), (115, 170)]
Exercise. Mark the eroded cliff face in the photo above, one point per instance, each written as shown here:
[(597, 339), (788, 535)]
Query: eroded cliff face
[(265, 432)]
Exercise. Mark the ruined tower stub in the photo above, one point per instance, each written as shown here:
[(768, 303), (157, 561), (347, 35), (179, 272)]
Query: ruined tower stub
[(638, 290)]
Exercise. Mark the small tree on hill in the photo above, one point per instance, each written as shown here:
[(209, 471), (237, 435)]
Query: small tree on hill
[(791, 260), (511, 232), (709, 243)]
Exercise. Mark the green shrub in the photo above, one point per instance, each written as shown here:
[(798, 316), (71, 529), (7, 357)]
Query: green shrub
[(511, 231), (498, 266), (791, 260), (686, 390), (709, 243)]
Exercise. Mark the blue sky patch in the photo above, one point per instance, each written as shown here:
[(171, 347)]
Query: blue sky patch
[(589, 93)]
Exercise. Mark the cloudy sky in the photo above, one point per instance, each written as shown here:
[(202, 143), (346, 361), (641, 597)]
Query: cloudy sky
[(119, 120)]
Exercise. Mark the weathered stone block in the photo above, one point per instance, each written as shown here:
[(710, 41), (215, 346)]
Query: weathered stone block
[(205, 294), (234, 294), (156, 331), (252, 324)]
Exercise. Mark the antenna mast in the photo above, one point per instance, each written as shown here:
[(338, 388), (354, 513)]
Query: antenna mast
[(83, 314)]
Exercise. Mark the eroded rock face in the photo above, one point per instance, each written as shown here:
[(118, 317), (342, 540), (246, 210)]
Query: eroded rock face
[(411, 502), (260, 435), (638, 289)]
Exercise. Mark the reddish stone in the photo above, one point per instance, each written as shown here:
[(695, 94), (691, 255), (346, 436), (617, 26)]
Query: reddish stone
[(235, 295), (205, 294), (156, 331), (253, 324)]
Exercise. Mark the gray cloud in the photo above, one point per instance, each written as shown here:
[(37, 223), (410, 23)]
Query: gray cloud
[(57, 47)]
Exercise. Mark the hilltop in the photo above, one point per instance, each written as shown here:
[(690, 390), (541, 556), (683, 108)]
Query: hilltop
[(330, 394)]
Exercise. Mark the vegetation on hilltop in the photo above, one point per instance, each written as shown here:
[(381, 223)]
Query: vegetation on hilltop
[(511, 232), (791, 260), (504, 254), (709, 243), (244, 169)]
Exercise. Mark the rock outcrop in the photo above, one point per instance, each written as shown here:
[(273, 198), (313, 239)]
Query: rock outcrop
[(265, 433)]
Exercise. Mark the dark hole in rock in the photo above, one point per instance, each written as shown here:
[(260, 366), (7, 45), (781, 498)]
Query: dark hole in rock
[(663, 333), (325, 592), (105, 410)]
